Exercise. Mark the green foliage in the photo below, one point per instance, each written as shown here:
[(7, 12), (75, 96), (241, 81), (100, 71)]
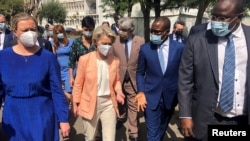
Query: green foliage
[(119, 6), (11, 7), (53, 11)]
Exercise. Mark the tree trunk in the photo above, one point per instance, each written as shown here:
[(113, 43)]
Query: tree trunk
[(130, 5), (157, 8), (145, 7), (202, 8)]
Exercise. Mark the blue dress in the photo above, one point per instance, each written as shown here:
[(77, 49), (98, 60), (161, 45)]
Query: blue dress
[(62, 54), (34, 100)]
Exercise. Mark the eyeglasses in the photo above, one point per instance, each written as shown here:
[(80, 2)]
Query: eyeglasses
[(222, 18), (124, 30)]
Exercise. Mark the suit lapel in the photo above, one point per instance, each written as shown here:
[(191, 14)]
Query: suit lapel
[(154, 56), (212, 47), (171, 55), (246, 31), (134, 48), (247, 34), (122, 51)]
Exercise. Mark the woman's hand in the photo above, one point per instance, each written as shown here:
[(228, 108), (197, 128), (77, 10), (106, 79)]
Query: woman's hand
[(75, 109), (71, 81), (120, 98), (65, 129)]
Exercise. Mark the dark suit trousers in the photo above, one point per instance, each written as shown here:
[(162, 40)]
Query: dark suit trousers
[(129, 109), (220, 120), (157, 121)]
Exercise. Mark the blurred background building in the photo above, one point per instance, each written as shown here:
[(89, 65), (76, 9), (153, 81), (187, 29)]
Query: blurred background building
[(77, 9)]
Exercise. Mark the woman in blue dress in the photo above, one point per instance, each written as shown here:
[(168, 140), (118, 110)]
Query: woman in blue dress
[(35, 106), (62, 45)]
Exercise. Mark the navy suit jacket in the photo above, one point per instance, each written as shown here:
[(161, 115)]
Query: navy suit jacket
[(183, 38), (8, 38), (113, 27), (152, 81)]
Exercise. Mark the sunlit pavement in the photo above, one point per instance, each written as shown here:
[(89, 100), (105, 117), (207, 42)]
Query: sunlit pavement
[(172, 134)]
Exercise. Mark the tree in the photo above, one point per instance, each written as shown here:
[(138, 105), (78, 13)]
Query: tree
[(33, 7), (203, 4), (11, 7), (54, 12), (119, 6), (145, 8)]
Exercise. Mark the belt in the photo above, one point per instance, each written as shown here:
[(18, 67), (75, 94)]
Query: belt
[(240, 118)]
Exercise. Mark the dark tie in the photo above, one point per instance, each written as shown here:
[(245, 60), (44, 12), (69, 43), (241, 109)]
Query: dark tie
[(178, 38), (126, 49), (126, 77), (227, 88)]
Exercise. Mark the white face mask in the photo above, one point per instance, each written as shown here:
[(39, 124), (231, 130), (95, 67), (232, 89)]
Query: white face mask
[(28, 38), (104, 49), (87, 33)]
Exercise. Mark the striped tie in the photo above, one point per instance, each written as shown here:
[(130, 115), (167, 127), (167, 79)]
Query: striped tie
[(227, 88)]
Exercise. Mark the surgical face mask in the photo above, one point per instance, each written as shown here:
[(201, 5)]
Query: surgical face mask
[(87, 33), (155, 39), (2, 26), (123, 35), (104, 49), (28, 38), (60, 36), (221, 28), (50, 33)]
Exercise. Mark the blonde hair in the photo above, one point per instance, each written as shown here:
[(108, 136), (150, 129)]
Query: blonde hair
[(102, 30), (19, 17)]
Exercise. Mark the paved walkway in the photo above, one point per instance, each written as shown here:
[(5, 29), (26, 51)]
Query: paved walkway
[(76, 134), (172, 133)]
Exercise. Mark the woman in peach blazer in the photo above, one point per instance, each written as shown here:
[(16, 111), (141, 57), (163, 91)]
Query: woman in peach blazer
[(97, 87)]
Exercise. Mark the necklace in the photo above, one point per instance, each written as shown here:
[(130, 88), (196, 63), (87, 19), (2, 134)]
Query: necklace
[(26, 58)]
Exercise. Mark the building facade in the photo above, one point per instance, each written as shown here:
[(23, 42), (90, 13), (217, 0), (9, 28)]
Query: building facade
[(77, 9)]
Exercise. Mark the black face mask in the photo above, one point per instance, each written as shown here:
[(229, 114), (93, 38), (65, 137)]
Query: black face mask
[(178, 33)]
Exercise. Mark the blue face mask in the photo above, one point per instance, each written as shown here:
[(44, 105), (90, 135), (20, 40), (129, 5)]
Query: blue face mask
[(60, 36), (221, 28), (2, 26), (50, 33), (155, 39)]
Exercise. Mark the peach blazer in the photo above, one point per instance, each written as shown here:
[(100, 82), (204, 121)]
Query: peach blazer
[(85, 85)]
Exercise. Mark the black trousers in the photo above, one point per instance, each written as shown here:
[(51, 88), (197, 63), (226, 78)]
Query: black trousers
[(220, 120)]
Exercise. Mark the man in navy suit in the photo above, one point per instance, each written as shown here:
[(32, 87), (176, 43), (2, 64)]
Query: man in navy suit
[(156, 78), (6, 36), (177, 33), (115, 26)]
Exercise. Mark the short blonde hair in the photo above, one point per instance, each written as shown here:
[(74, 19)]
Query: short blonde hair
[(102, 30), (19, 17)]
